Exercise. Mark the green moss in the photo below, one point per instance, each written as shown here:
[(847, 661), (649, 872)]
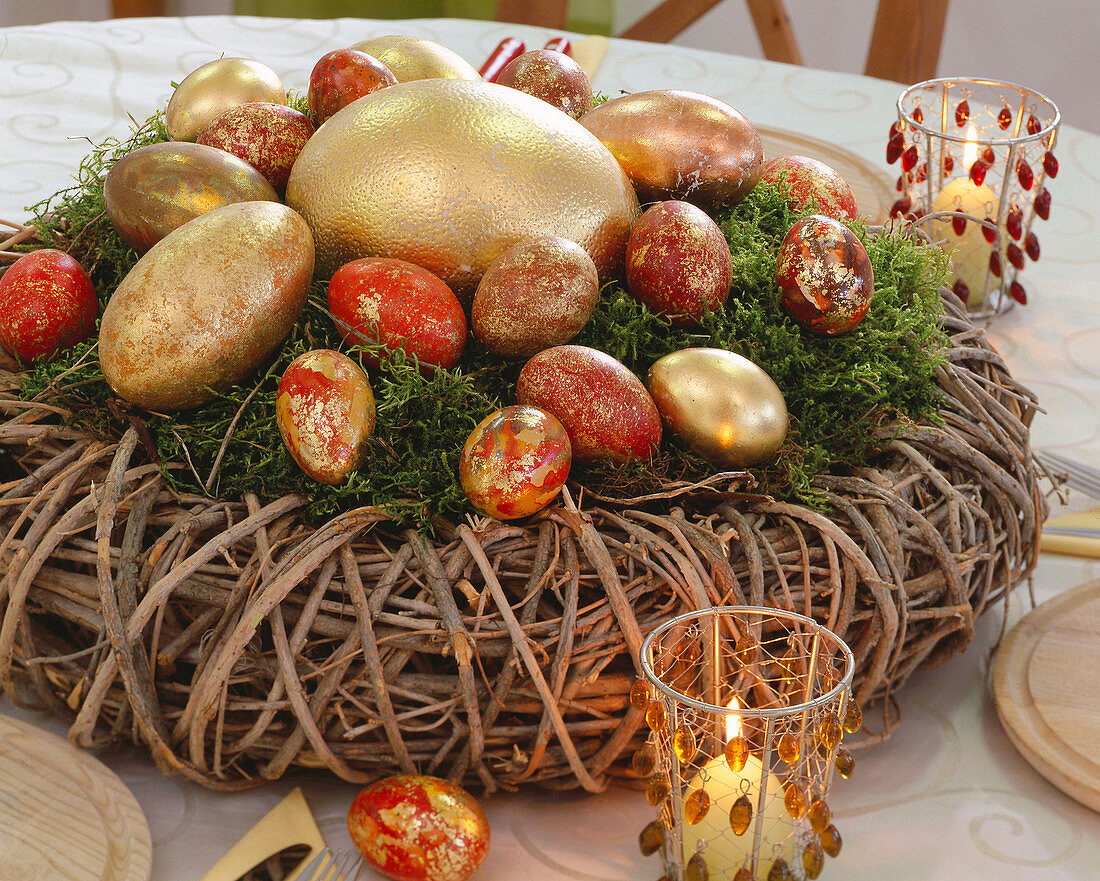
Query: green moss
[(837, 390)]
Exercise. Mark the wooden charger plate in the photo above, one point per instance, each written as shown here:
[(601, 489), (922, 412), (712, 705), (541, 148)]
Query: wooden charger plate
[(1046, 687), (872, 187), (65, 816)]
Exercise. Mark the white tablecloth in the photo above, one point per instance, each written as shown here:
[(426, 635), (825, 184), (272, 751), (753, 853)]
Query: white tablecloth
[(947, 796)]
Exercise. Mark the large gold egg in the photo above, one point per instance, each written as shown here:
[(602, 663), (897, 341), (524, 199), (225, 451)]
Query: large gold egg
[(449, 174), (213, 88), (722, 405), (414, 58), (206, 305), (158, 188), (676, 144)]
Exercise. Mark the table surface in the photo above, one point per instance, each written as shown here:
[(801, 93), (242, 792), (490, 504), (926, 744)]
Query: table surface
[(947, 796)]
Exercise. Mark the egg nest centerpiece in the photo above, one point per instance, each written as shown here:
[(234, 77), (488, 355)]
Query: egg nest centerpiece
[(177, 579)]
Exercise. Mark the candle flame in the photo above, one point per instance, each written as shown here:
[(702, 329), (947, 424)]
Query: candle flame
[(733, 720), (970, 151)]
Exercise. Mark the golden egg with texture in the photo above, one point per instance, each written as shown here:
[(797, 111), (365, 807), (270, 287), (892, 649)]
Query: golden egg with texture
[(206, 305), (414, 58), (449, 174), (721, 404), (210, 90)]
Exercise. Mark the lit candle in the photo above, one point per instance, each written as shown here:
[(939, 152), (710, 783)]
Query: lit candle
[(725, 852), (969, 252)]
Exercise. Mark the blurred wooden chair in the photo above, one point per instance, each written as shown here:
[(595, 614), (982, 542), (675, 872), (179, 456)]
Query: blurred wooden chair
[(136, 8), (905, 41)]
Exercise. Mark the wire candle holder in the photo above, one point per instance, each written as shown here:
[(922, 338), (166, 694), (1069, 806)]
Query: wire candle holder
[(975, 156), (746, 709)]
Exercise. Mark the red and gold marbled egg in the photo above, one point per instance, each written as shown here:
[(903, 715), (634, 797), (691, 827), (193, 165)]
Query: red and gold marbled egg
[(325, 411), (552, 76), (812, 181), (418, 828), (268, 137), (604, 407), (343, 76), (824, 275), (47, 305), (515, 462)]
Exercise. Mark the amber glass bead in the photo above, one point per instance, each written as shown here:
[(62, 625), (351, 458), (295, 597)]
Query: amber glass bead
[(652, 838), (831, 842), (962, 291), (788, 748), (959, 225), (655, 716), (744, 650), (1042, 204), (780, 871), (657, 790), (977, 172), (645, 760), (813, 860), (853, 717), (683, 741), (962, 113), (1004, 118), (696, 869), (743, 874), (1025, 175), (1033, 125), (795, 800), (741, 815), (918, 115), (1015, 255), (845, 762), (696, 806), (988, 156), (1017, 292), (639, 694), (819, 815), (1050, 164), (1031, 246), (995, 263), (909, 158), (830, 731), (737, 752)]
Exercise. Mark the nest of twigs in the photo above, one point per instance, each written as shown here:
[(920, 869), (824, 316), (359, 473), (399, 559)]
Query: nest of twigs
[(235, 640)]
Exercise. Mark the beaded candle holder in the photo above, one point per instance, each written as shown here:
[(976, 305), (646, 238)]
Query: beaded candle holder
[(746, 709), (975, 155)]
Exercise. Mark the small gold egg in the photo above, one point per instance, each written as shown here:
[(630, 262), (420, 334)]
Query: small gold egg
[(414, 58), (213, 88)]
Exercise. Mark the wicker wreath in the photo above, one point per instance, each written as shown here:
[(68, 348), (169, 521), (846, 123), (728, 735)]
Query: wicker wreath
[(234, 640)]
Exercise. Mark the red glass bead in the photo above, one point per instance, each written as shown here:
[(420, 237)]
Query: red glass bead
[(1014, 223), (987, 231), (1033, 125), (988, 156), (917, 213), (894, 148), (918, 114), (895, 130), (977, 172), (995, 263), (909, 158), (959, 225), (900, 184), (1017, 292), (1050, 164), (921, 173), (1042, 204), (1025, 175), (962, 290), (1031, 246), (901, 206), (1004, 118), (1015, 255), (962, 113), (948, 163)]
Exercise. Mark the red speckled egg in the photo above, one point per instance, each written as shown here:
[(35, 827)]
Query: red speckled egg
[(604, 407), (515, 462), (268, 137), (537, 294), (47, 305), (811, 181), (418, 828), (325, 411), (678, 262), (344, 76), (399, 304), (824, 275), (552, 76)]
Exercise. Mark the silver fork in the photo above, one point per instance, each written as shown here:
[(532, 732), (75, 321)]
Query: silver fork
[(1079, 476), (329, 865)]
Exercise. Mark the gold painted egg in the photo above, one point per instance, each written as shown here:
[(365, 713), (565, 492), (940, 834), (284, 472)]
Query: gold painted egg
[(676, 144), (414, 58), (210, 90), (449, 174), (158, 188), (206, 305), (722, 405)]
